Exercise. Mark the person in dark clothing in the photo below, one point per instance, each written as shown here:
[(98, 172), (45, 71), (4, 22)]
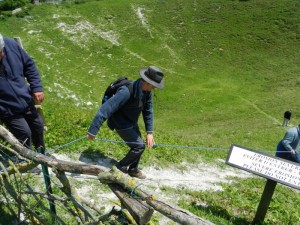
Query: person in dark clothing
[(286, 118), (288, 147), (122, 111), (20, 88)]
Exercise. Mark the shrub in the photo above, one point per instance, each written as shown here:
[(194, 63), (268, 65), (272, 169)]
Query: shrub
[(12, 4), (4, 15)]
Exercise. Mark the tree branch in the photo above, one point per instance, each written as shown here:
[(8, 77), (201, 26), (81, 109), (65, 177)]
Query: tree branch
[(176, 214), (79, 168)]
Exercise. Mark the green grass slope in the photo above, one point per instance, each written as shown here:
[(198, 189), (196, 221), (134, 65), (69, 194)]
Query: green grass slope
[(231, 69), (231, 66)]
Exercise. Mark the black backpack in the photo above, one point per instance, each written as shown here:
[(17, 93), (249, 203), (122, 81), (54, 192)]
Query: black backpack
[(114, 86)]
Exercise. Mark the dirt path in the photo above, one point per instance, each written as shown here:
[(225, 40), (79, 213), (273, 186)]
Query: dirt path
[(197, 177)]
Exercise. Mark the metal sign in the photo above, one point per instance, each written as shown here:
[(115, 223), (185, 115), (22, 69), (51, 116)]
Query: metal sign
[(271, 167)]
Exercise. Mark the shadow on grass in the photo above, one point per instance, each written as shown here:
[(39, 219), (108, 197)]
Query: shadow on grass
[(220, 212)]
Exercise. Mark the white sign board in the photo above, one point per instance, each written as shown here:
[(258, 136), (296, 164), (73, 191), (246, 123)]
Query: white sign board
[(271, 167)]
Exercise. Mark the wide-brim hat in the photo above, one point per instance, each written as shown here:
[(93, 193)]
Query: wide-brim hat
[(153, 76)]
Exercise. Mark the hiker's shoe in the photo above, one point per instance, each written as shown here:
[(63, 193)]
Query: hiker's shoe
[(137, 173), (123, 169)]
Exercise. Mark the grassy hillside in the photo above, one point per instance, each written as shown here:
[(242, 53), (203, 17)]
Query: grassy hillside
[(231, 66), (231, 70)]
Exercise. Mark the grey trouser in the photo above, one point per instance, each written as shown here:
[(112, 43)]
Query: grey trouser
[(132, 137)]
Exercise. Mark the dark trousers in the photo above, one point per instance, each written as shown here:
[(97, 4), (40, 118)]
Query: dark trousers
[(132, 136), (289, 156), (27, 127)]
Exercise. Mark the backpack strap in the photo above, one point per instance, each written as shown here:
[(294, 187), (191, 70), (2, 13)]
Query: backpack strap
[(130, 88)]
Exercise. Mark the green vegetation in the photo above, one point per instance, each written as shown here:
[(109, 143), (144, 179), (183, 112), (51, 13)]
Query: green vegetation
[(231, 70), (12, 4)]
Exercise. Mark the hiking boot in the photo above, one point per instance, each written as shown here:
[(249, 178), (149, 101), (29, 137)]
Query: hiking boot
[(137, 173), (123, 169)]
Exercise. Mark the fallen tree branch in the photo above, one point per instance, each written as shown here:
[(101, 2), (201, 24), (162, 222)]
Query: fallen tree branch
[(176, 214), (21, 167), (11, 151), (49, 161), (44, 195)]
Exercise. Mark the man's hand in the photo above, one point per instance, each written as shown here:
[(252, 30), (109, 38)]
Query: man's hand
[(38, 97), (293, 152), (90, 136), (150, 140)]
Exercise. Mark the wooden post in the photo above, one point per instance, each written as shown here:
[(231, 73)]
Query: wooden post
[(264, 201), (47, 182), (266, 166)]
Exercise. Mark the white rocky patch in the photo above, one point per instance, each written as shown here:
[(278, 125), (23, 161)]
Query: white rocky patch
[(139, 12), (82, 31), (135, 55), (198, 177), (65, 93)]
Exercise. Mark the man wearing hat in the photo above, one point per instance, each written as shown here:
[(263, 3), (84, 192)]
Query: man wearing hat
[(20, 88), (122, 112)]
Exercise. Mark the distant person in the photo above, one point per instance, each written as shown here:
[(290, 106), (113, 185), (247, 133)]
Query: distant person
[(288, 147), (122, 111), (286, 118), (20, 88)]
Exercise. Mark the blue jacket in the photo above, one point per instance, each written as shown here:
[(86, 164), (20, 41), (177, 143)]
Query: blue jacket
[(290, 141), (21, 79), (123, 109)]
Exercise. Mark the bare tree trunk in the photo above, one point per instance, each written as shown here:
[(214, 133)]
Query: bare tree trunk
[(79, 168), (177, 214)]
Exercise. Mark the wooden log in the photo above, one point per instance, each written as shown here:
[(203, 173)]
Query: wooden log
[(140, 211), (176, 214), (22, 168), (50, 161)]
